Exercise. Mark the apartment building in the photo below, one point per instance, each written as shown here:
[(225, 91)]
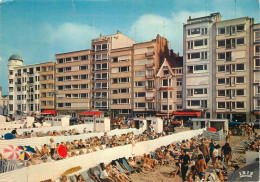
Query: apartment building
[(3, 103), (147, 58), (121, 77), (199, 63), (256, 72), (233, 69), (100, 66), (73, 82), (47, 88), (24, 87)]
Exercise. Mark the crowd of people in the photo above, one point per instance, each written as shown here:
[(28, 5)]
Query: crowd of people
[(192, 160)]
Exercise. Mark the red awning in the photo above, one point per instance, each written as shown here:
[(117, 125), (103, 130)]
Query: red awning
[(165, 88), (187, 114), (97, 113), (49, 112)]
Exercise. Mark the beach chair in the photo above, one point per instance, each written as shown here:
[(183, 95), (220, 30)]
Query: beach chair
[(153, 155), (73, 178), (85, 175), (129, 168), (226, 167), (121, 169), (178, 146), (97, 174), (239, 158)]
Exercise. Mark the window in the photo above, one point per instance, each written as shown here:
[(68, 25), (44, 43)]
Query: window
[(114, 91), (166, 72), (198, 67), (124, 90), (228, 56), (195, 55), (221, 68), (190, 69), (198, 91), (240, 67), (221, 30), (221, 43), (240, 79), (240, 28), (257, 48), (179, 94), (221, 81), (165, 82), (165, 95), (190, 92), (240, 105), (198, 43), (240, 92), (83, 68), (204, 31), (221, 93), (84, 58), (140, 84), (179, 82), (204, 55), (139, 105), (139, 94), (221, 55), (140, 73), (124, 69), (195, 102), (124, 80), (240, 41), (115, 60), (195, 31), (221, 105)]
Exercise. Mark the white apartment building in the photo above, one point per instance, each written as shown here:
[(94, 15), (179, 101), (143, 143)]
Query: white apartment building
[(198, 63), (23, 87), (233, 69)]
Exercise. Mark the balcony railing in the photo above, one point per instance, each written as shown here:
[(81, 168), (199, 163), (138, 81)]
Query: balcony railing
[(149, 65), (148, 54), (149, 87), (149, 98), (149, 76)]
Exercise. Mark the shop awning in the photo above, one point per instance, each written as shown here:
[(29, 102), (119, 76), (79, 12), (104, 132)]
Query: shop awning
[(187, 114), (49, 112), (91, 113)]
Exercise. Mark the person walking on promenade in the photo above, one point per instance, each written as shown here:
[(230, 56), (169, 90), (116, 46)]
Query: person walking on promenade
[(184, 159)]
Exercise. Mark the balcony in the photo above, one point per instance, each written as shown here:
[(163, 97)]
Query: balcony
[(149, 109), (149, 76), (149, 87), (149, 98), (149, 54), (149, 65)]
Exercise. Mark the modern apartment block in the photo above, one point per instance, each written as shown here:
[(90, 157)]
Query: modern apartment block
[(24, 87), (256, 72), (218, 67), (233, 69), (121, 78), (199, 63), (100, 67), (47, 87), (73, 82)]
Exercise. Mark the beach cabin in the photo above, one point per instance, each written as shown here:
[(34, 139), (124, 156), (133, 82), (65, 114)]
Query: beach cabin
[(140, 123), (102, 124), (156, 123), (219, 124), (61, 120), (199, 123)]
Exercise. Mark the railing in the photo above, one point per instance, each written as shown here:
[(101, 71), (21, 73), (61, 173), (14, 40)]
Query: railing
[(149, 76), (149, 98), (149, 54), (149, 65), (149, 87)]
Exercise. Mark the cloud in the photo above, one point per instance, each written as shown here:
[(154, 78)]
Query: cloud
[(69, 37), (148, 26)]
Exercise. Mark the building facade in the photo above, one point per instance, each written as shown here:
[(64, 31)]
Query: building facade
[(233, 69), (3, 103), (199, 63), (47, 87), (73, 82), (256, 73)]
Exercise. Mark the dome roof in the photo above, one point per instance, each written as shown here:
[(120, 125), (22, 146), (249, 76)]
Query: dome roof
[(16, 57)]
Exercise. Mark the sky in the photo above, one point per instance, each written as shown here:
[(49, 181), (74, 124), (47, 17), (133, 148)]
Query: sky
[(39, 29)]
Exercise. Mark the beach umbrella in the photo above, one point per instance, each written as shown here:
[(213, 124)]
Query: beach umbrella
[(30, 149), (62, 151), (11, 152), (8, 136), (24, 155), (212, 129), (248, 173)]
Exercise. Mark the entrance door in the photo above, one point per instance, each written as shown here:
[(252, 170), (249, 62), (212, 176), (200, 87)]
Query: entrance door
[(148, 124)]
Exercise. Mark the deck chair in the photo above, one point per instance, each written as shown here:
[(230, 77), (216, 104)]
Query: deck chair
[(73, 178), (97, 174), (121, 168), (226, 167), (153, 155), (239, 158), (178, 146), (85, 175), (129, 168)]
